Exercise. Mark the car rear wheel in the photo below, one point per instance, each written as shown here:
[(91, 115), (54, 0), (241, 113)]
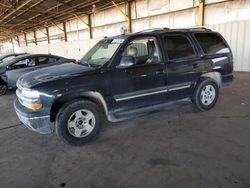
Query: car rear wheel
[(78, 122), (3, 89), (206, 94)]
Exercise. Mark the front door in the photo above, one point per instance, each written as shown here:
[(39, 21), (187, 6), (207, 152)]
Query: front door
[(18, 69), (143, 82)]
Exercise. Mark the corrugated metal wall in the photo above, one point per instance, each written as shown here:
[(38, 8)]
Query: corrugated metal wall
[(237, 35), (230, 18)]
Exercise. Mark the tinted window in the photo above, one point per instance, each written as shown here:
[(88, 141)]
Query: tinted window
[(43, 60), (53, 59), (211, 43), (178, 47)]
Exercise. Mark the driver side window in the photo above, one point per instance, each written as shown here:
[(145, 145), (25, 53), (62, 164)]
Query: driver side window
[(143, 51), (28, 62)]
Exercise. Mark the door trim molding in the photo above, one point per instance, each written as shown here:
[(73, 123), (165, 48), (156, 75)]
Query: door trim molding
[(140, 95), (153, 91)]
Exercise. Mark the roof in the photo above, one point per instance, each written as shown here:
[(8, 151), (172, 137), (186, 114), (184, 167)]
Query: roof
[(2, 56), (160, 31), (25, 15), (34, 55)]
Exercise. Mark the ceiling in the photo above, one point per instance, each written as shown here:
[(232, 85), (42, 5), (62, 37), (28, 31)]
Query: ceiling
[(18, 16)]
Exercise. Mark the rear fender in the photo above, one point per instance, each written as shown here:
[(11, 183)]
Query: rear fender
[(216, 76)]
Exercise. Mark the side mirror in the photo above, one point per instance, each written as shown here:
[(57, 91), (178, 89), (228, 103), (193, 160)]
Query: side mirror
[(126, 61)]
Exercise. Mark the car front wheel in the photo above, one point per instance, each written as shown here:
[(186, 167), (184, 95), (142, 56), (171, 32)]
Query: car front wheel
[(206, 94), (78, 122)]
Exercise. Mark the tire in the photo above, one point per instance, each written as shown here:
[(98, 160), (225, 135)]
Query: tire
[(3, 89), (78, 122), (205, 94)]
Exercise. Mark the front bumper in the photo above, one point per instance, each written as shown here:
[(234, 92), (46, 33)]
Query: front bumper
[(36, 121)]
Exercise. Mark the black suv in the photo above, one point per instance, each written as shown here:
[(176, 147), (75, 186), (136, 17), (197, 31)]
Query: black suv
[(125, 76)]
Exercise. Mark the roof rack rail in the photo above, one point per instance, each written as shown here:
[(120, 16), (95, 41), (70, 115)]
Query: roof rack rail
[(153, 29), (199, 28)]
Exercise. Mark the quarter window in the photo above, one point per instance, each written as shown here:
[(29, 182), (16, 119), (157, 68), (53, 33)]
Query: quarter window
[(178, 47), (211, 43)]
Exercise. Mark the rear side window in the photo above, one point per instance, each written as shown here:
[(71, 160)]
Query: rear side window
[(211, 43), (178, 47), (43, 60), (53, 59)]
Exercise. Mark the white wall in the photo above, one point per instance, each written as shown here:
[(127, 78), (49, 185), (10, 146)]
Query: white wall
[(149, 14), (72, 49), (237, 35)]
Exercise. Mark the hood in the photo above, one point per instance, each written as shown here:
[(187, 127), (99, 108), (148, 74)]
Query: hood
[(2, 70), (52, 73)]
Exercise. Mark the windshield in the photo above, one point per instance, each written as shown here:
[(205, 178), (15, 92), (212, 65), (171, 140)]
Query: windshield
[(8, 58), (6, 62), (102, 52)]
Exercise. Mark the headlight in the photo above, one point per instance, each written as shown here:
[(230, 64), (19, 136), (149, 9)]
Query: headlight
[(32, 94), (30, 98)]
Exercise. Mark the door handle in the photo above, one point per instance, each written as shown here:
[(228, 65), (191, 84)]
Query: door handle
[(161, 71)]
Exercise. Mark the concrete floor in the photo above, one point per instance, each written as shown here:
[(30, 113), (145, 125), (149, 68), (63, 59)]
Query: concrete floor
[(175, 148)]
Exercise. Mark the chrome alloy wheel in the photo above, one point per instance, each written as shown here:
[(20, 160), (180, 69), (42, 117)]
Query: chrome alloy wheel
[(207, 95), (81, 123)]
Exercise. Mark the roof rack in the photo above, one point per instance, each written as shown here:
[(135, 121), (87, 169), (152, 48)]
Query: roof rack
[(199, 28), (165, 28), (153, 29)]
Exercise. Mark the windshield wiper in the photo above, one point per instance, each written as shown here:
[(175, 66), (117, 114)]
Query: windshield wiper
[(84, 63)]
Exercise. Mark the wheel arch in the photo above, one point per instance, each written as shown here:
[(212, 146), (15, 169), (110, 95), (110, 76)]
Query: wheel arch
[(93, 96), (216, 76), (3, 82)]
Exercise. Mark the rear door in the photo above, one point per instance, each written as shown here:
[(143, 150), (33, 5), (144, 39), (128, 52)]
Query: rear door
[(18, 69), (184, 64)]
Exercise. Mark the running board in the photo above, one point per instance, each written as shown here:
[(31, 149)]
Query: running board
[(129, 114)]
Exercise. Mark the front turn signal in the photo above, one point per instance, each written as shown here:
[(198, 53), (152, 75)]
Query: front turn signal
[(36, 106)]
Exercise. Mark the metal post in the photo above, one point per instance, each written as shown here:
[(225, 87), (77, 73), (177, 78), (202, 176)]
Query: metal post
[(47, 33), (25, 39), (35, 37), (90, 26), (201, 12), (18, 40), (13, 48), (65, 32), (129, 18)]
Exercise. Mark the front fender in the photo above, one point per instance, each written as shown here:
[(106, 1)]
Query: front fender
[(93, 96)]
